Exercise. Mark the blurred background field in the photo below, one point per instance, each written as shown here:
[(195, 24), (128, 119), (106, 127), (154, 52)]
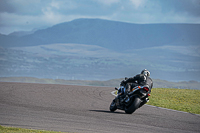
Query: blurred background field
[(110, 83)]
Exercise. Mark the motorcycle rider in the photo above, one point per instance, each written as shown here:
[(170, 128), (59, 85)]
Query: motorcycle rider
[(142, 79)]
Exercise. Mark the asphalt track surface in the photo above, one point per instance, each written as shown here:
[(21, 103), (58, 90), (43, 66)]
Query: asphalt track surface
[(83, 109)]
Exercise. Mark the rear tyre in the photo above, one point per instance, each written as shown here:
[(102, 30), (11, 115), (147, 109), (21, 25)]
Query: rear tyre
[(113, 106), (135, 105)]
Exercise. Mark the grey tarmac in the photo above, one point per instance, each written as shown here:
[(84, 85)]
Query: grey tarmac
[(83, 109)]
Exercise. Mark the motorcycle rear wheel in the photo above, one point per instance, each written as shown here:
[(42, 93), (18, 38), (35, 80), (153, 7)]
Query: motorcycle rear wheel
[(135, 105)]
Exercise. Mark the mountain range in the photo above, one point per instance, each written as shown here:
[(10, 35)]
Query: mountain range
[(102, 49)]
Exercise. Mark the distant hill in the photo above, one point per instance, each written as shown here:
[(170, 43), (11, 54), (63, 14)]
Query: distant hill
[(96, 49), (111, 83), (110, 34), (21, 33)]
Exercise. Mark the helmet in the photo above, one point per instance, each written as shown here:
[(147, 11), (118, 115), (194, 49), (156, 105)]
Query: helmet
[(145, 72)]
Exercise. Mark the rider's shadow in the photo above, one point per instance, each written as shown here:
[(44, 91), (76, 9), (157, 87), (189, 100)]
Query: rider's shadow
[(106, 111)]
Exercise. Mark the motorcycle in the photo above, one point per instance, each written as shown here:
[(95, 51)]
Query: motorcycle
[(134, 99)]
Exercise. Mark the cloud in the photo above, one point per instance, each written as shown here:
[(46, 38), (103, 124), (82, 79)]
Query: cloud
[(190, 7), (108, 2), (138, 3), (5, 6), (30, 14), (23, 7), (56, 4), (64, 5)]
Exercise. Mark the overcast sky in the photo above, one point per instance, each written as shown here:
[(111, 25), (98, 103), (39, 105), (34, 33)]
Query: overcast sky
[(25, 15)]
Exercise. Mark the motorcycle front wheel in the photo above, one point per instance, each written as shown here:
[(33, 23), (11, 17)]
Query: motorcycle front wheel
[(135, 105), (113, 106)]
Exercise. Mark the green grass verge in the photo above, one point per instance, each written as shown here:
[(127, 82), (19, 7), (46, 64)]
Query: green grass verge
[(21, 130), (177, 99), (186, 100)]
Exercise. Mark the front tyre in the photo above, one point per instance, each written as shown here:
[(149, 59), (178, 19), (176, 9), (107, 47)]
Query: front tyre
[(113, 106), (135, 105)]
